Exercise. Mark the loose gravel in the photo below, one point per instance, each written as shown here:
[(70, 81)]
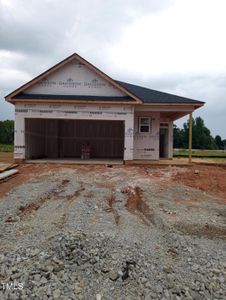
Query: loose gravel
[(111, 233)]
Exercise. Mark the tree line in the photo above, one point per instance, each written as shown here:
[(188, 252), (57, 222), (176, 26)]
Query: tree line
[(7, 132), (201, 136)]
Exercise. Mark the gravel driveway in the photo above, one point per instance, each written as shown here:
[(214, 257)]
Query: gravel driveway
[(110, 232)]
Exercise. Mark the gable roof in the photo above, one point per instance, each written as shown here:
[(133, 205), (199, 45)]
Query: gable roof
[(134, 93), (19, 91), (152, 96)]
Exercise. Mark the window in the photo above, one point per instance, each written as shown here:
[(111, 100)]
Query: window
[(144, 124)]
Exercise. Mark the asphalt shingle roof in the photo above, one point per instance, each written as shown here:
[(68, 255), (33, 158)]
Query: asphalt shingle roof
[(153, 96)]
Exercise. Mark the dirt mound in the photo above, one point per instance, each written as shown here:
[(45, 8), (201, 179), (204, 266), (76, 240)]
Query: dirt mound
[(210, 179)]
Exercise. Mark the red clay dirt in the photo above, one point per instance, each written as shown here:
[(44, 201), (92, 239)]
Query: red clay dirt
[(211, 179), (26, 172), (111, 202), (27, 209), (135, 204), (6, 157), (29, 171)]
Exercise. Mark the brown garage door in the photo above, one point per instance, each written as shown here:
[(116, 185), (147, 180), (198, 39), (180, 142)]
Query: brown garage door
[(47, 138)]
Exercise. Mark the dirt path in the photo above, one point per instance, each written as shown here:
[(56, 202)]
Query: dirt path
[(6, 157)]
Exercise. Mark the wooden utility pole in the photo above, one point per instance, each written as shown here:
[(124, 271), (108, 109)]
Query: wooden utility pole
[(190, 139)]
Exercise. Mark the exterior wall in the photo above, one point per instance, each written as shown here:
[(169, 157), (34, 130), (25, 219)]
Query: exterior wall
[(137, 145), (19, 138), (146, 144), (74, 79), (69, 111)]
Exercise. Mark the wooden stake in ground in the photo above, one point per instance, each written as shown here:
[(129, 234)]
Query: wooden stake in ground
[(190, 139)]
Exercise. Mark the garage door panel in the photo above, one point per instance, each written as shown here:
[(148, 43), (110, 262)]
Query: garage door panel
[(49, 138)]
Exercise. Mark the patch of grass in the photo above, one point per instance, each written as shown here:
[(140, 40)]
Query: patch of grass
[(6, 148), (201, 153), (216, 159)]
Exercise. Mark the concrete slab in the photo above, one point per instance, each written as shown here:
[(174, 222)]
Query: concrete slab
[(178, 162), (161, 162), (77, 161)]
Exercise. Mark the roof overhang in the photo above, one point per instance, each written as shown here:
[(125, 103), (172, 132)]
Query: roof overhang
[(173, 116), (173, 111), (196, 104)]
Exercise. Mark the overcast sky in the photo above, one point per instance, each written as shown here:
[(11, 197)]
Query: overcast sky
[(176, 46)]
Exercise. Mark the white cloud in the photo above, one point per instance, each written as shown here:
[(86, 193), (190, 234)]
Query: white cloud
[(187, 38), (177, 46)]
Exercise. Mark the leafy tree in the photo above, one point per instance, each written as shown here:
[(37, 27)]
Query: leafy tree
[(178, 137), (202, 138), (201, 135), (219, 143), (6, 132)]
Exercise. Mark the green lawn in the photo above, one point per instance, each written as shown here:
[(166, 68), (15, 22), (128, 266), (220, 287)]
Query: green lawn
[(204, 153), (6, 148)]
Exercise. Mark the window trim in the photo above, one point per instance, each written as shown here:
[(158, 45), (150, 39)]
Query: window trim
[(140, 125)]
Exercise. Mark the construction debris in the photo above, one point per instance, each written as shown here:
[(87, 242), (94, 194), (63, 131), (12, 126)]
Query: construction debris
[(6, 174), (4, 167)]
